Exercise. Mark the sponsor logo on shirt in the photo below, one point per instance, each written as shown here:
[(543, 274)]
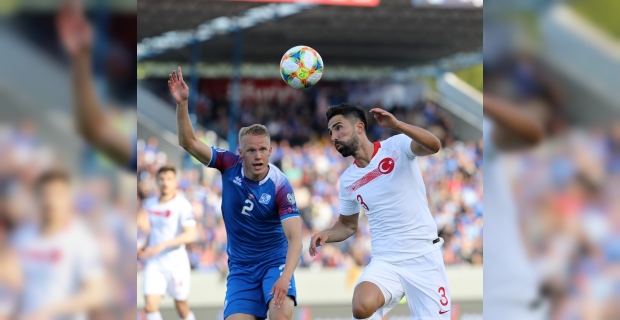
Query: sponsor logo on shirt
[(52, 256), (217, 149), (264, 199), (164, 214), (237, 181)]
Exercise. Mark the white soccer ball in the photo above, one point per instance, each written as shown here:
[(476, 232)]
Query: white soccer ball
[(301, 67)]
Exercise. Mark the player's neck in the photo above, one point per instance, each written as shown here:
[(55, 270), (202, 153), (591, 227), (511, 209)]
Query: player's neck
[(54, 226), (167, 197), (364, 153), (253, 177)]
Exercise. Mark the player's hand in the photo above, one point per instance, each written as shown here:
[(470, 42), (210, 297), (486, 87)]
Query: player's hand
[(279, 291), (177, 86), (74, 31), (152, 251), (317, 240), (384, 118)]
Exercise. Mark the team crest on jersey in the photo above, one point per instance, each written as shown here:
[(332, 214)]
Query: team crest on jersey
[(291, 198), (218, 149), (265, 198)]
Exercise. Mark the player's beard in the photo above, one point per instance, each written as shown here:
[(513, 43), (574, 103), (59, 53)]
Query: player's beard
[(348, 148)]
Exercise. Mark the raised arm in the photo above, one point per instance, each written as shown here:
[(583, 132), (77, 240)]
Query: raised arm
[(423, 142), (91, 122), (185, 131), (345, 227), (516, 120)]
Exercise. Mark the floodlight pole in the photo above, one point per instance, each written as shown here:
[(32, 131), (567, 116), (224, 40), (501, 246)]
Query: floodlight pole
[(235, 88)]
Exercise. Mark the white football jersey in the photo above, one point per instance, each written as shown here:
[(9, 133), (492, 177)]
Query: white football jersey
[(508, 274), (167, 222), (54, 267), (392, 192)]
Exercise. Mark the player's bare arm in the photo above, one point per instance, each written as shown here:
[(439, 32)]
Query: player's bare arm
[(91, 122), (516, 120), (185, 131), (423, 142), (292, 231), (186, 237), (142, 222), (91, 296), (345, 227)]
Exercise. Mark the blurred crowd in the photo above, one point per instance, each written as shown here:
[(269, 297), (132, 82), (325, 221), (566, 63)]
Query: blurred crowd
[(100, 201), (453, 179)]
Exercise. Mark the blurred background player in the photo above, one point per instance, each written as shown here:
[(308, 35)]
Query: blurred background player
[(37, 132), (261, 218), (171, 226), (385, 180), (93, 124), (62, 270)]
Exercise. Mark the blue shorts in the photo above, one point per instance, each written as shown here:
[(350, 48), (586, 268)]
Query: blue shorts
[(248, 288)]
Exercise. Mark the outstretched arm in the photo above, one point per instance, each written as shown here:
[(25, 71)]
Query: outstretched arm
[(345, 227), (513, 118), (292, 230), (423, 142), (92, 123), (185, 131)]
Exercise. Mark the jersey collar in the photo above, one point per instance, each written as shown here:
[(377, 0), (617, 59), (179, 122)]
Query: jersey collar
[(252, 182), (377, 145)]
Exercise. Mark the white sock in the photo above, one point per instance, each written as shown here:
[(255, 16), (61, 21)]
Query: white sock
[(190, 316), (154, 316)]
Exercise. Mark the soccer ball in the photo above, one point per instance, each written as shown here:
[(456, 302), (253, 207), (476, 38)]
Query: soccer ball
[(301, 67)]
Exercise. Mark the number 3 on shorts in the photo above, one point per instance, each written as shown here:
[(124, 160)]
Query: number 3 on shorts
[(442, 292)]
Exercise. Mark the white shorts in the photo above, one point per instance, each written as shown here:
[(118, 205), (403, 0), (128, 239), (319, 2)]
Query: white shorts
[(422, 280), (173, 280)]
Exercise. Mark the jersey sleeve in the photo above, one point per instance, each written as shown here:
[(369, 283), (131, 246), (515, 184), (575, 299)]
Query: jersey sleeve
[(285, 201), (403, 144), (186, 216), (222, 159), (348, 206)]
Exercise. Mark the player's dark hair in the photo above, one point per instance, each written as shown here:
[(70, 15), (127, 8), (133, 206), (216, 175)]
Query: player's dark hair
[(53, 175), (166, 169), (347, 111)]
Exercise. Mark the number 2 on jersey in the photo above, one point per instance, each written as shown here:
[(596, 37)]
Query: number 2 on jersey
[(248, 208)]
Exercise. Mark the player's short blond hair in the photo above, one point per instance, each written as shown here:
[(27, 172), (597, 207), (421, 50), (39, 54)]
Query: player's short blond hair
[(254, 130)]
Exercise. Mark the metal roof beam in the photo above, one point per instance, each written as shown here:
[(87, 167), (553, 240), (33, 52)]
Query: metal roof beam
[(219, 26)]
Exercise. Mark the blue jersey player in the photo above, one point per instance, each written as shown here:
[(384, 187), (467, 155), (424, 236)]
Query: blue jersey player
[(261, 218)]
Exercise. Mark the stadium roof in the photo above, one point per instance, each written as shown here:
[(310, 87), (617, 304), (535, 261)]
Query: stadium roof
[(394, 34)]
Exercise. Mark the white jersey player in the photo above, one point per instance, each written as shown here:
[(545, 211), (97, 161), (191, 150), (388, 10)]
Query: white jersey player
[(62, 271), (511, 284), (386, 181), (167, 270)]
